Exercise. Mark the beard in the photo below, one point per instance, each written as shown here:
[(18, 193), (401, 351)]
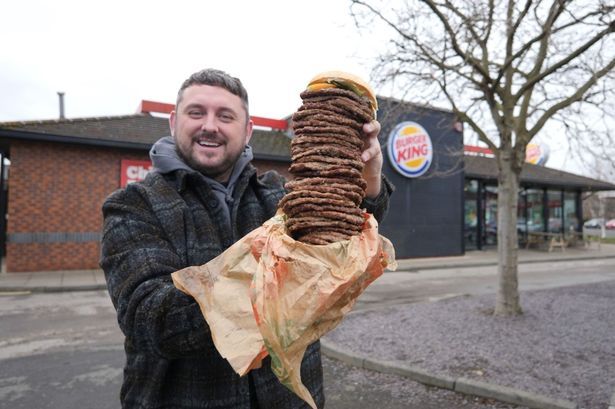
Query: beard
[(212, 171)]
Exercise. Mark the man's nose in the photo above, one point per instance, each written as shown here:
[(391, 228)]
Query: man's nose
[(210, 124)]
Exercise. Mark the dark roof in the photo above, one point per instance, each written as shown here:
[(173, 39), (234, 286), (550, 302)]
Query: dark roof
[(140, 131), (110, 127), (271, 145), (480, 167), (137, 131)]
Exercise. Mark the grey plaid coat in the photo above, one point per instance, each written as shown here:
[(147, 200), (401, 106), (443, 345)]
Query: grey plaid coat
[(161, 225)]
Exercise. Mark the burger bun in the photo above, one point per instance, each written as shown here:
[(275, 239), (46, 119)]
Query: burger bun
[(342, 79)]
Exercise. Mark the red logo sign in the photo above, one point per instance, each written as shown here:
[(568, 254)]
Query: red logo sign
[(536, 154), (134, 171), (410, 149)]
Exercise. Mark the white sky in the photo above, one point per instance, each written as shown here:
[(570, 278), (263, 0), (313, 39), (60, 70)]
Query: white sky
[(108, 56)]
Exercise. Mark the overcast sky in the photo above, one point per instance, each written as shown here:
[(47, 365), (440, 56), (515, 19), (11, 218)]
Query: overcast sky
[(108, 56)]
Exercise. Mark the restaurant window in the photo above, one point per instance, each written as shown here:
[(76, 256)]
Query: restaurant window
[(470, 217), (571, 223), (522, 215), (534, 210), (554, 203), (490, 230)]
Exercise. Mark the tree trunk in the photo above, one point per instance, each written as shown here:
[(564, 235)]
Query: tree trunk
[(507, 301)]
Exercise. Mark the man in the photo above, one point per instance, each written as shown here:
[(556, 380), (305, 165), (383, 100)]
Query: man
[(203, 196)]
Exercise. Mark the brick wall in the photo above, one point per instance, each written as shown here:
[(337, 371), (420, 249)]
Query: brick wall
[(55, 196), (54, 208)]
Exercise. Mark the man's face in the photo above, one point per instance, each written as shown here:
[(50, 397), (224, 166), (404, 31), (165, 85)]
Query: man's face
[(211, 129)]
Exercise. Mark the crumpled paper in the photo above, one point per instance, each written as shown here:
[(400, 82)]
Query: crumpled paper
[(269, 294)]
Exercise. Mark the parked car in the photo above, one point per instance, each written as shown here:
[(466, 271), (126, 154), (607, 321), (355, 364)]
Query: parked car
[(530, 227), (610, 224), (594, 223), (555, 224)]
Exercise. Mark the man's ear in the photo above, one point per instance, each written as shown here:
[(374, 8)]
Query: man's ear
[(172, 119), (249, 129)]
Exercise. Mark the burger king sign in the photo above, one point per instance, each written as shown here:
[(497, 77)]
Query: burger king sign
[(410, 150)]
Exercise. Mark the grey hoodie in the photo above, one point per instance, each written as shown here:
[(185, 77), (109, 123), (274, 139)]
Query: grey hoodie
[(165, 159)]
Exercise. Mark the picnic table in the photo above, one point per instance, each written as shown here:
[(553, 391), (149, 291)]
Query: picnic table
[(578, 238), (553, 240)]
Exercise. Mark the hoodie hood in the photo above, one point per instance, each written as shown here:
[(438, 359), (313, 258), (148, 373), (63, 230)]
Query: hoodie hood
[(165, 159)]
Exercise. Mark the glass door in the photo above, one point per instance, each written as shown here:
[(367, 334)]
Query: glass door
[(470, 218), (490, 227)]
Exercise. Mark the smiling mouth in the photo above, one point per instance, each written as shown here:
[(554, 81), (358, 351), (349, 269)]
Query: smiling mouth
[(209, 144)]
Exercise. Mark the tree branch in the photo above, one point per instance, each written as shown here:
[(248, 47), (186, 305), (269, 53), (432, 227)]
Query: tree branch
[(528, 45), (453, 36), (465, 117), (489, 21), (577, 96), (510, 57), (570, 57), (470, 26), (429, 54)]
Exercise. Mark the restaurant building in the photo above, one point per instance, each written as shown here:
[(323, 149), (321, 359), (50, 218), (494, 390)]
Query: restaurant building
[(444, 203)]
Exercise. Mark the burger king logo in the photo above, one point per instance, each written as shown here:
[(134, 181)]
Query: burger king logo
[(410, 150), (536, 154)]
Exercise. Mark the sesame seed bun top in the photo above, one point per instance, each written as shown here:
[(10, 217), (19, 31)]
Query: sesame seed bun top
[(342, 79)]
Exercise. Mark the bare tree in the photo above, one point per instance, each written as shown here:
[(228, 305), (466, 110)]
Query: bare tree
[(506, 69)]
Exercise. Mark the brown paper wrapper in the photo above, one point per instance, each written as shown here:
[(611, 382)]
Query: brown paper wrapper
[(271, 295)]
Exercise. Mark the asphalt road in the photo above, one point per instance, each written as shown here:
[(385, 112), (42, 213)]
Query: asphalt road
[(70, 378), (402, 287), (64, 350)]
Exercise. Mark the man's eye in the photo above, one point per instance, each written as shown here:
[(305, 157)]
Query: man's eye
[(227, 117), (195, 114)]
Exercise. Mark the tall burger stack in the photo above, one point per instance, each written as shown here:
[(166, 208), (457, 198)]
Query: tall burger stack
[(323, 200)]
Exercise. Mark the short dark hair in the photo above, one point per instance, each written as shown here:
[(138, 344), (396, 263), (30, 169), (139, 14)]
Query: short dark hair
[(216, 78)]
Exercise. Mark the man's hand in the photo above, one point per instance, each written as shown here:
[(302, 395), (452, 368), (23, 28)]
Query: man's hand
[(372, 156)]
